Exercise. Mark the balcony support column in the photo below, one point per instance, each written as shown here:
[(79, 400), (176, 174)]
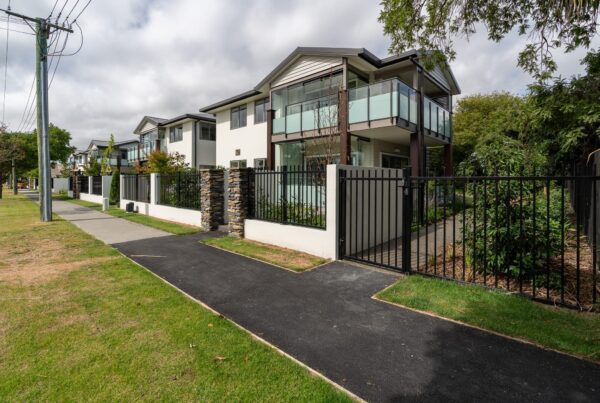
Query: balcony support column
[(448, 162), (343, 122), (270, 161)]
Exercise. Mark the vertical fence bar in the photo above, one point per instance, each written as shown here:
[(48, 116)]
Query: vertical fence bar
[(594, 240), (485, 260), (508, 224), (464, 225), (454, 214), (284, 193), (548, 238), (496, 226), (474, 257), (406, 220), (534, 251), (562, 242), (435, 225)]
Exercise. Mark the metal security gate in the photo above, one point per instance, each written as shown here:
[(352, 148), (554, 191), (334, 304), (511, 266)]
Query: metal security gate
[(372, 204), (532, 235)]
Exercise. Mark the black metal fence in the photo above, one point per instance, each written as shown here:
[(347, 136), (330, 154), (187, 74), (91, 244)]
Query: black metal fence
[(83, 183), (97, 185), (181, 190), (71, 183), (136, 187), (291, 195), (533, 235)]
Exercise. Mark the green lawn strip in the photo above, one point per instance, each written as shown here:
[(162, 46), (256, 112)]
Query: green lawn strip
[(557, 328), (290, 259), (168, 226), (105, 329)]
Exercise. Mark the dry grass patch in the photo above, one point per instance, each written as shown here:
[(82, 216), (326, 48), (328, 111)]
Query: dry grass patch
[(287, 258)]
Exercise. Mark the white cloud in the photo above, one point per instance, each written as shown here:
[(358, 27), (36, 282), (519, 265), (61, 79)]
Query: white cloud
[(167, 57)]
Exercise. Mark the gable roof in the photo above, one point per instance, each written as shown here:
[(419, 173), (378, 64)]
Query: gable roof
[(147, 119), (361, 53)]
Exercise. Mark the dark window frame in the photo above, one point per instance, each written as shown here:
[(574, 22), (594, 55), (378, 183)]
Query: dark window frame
[(263, 103), (243, 162), (235, 117), (175, 134)]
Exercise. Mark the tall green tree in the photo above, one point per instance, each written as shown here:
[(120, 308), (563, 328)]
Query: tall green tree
[(482, 115), (564, 116), (433, 25), (105, 167), (11, 149)]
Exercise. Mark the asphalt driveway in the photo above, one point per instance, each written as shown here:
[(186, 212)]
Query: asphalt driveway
[(327, 319)]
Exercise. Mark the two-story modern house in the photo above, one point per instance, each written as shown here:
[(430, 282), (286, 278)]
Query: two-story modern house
[(339, 105), (192, 135), (120, 157)]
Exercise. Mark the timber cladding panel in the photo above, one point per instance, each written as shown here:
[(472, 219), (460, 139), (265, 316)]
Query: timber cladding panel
[(306, 66)]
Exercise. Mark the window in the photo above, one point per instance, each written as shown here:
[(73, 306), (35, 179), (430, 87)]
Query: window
[(260, 110), (238, 117), (175, 134), (237, 164), (393, 161), (260, 163), (206, 131), (123, 154)]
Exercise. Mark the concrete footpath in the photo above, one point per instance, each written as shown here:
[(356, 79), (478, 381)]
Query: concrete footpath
[(327, 319)]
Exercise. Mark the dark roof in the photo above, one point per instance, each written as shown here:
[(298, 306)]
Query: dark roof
[(194, 116), (152, 119), (314, 51), (122, 143)]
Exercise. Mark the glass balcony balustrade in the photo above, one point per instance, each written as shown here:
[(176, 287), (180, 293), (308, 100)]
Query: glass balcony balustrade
[(381, 100)]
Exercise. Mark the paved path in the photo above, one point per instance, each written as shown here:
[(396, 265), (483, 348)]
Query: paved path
[(106, 228), (327, 319)]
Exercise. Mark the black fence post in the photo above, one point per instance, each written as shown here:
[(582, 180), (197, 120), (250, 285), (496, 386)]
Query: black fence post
[(342, 213), (284, 195), (177, 203), (137, 187), (406, 220)]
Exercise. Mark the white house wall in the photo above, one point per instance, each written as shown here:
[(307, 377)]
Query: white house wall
[(183, 147), (250, 140)]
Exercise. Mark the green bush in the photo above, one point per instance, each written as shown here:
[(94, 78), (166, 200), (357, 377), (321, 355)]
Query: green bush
[(115, 188), (513, 224)]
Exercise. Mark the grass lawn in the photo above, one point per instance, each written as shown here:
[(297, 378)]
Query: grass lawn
[(168, 226), (558, 328), (290, 259), (81, 322)]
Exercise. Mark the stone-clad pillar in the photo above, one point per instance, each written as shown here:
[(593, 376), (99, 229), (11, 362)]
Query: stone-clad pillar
[(211, 198), (240, 202)]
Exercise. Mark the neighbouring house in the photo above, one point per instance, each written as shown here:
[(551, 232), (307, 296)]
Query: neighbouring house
[(343, 105), (78, 160), (120, 157), (192, 135), (147, 130)]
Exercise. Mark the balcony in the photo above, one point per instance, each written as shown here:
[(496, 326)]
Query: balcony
[(382, 100), (389, 99), (310, 115)]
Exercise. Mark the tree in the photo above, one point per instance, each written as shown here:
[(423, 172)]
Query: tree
[(115, 185), (11, 148), (93, 168), (105, 166), (564, 116), (477, 116), (549, 24), (161, 162)]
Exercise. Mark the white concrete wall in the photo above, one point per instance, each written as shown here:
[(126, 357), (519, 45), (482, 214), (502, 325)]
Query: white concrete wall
[(90, 198), (178, 215), (318, 242), (61, 184), (250, 140), (206, 152)]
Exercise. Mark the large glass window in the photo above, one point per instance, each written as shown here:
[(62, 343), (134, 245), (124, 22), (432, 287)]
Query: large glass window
[(175, 134), (238, 117), (206, 131), (260, 110), (324, 88)]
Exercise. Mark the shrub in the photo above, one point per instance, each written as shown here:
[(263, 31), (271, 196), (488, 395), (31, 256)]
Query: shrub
[(115, 187)]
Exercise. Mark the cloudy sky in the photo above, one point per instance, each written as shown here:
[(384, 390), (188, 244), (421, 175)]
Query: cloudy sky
[(168, 57)]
